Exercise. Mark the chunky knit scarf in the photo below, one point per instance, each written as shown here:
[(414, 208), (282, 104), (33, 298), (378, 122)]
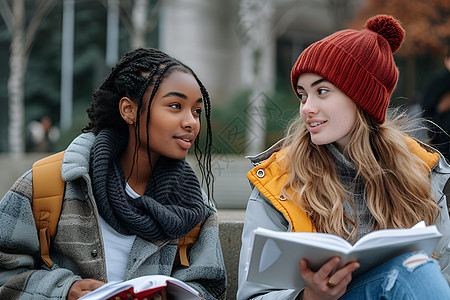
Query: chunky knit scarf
[(171, 206)]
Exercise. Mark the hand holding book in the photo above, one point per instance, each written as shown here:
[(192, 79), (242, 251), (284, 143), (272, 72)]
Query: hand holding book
[(144, 287), (274, 253)]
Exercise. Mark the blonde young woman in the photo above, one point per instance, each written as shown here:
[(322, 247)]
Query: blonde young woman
[(346, 170)]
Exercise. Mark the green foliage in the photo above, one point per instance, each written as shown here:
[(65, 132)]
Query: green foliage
[(80, 119), (42, 76)]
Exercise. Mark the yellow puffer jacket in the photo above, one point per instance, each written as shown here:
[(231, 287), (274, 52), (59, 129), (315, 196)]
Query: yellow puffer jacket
[(269, 178)]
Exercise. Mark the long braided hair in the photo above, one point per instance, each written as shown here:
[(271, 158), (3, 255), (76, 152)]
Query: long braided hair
[(132, 76)]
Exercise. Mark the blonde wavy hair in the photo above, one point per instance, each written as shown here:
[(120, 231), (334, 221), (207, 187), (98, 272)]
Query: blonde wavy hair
[(398, 189)]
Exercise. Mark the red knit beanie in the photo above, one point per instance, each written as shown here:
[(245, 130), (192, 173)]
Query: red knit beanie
[(359, 63)]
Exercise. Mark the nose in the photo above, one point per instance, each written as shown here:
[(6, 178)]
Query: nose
[(309, 107), (189, 121)]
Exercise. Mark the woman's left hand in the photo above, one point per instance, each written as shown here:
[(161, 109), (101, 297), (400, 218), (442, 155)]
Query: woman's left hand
[(320, 285)]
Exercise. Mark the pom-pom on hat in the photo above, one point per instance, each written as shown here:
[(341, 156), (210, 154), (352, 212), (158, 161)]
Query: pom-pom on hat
[(359, 63)]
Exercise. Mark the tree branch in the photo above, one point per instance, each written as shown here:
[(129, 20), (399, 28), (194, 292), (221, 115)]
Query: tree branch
[(125, 16), (6, 13), (152, 20), (43, 8)]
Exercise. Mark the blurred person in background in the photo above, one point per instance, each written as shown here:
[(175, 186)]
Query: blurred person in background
[(436, 108), (41, 135)]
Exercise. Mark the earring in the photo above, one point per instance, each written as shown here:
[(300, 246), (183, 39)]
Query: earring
[(130, 122)]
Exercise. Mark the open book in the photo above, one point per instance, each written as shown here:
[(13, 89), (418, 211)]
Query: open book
[(144, 287), (274, 255)]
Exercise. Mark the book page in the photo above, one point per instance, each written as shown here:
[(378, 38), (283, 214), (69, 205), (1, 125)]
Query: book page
[(381, 238), (317, 239), (274, 259), (184, 291), (176, 287)]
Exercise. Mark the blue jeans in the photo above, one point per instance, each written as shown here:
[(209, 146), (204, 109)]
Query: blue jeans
[(408, 276)]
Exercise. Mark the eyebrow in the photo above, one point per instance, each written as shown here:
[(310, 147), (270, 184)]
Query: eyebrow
[(180, 95), (299, 87)]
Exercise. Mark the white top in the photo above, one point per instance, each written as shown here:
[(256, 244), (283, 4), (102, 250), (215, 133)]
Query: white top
[(117, 246)]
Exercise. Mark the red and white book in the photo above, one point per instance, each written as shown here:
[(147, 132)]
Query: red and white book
[(144, 287)]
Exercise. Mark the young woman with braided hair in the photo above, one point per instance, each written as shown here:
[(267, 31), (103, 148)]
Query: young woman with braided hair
[(130, 196), (344, 169)]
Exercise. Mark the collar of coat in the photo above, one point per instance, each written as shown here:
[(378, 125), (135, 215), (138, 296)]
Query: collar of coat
[(269, 178)]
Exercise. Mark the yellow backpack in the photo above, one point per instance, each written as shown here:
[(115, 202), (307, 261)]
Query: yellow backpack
[(48, 193)]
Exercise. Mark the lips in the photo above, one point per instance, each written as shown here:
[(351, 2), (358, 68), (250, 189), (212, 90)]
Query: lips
[(189, 137), (185, 140), (314, 124)]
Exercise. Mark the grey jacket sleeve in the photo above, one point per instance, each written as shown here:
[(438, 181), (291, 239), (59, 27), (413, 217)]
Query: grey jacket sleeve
[(260, 213), (439, 178), (440, 189), (442, 250), (21, 274)]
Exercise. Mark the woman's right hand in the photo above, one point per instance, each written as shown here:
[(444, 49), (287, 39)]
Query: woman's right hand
[(320, 285), (81, 287)]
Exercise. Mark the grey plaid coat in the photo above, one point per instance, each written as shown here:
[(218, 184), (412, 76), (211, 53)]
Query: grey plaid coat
[(77, 249)]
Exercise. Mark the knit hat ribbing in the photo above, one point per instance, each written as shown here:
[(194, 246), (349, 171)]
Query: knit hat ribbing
[(359, 63)]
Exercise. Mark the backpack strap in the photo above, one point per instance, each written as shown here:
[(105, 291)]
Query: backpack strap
[(186, 243), (48, 193)]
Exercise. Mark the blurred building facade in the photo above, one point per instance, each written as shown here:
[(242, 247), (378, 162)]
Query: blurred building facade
[(214, 36)]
